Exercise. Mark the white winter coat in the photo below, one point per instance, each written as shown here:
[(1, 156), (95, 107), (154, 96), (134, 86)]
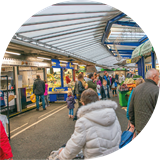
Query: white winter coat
[(97, 131)]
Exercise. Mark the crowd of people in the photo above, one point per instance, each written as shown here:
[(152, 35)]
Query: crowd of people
[(97, 121), (97, 129)]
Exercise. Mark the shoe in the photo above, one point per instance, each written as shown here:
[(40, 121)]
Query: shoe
[(44, 108), (37, 109), (116, 95), (113, 95)]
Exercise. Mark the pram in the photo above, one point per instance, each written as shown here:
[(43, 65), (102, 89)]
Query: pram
[(54, 154)]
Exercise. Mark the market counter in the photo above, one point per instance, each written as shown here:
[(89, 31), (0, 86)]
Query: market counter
[(58, 94)]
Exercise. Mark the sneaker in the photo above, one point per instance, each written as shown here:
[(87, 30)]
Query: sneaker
[(37, 109), (44, 108)]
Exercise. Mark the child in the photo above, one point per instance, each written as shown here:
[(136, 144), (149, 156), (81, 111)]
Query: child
[(70, 104), (46, 93), (103, 90), (97, 131)]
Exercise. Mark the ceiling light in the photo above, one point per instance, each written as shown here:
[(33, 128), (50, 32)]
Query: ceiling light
[(76, 63), (44, 58), (13, 53), (63, 61)]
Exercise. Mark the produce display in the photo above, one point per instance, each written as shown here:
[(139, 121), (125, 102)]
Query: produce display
[(123, 87), (54, 80), (137, 76), (128, 81)]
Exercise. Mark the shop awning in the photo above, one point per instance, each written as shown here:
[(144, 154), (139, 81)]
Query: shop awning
[(147, 48)]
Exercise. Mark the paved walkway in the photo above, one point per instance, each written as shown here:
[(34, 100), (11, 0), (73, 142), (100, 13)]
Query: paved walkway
[(35, 134)]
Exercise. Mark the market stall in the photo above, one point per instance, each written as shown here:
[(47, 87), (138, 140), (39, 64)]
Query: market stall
[(60, 80), (145, 57)]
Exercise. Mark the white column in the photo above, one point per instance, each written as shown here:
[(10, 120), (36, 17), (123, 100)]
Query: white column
[(19, 108)]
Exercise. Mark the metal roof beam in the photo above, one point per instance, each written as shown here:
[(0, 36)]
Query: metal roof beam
[(64, 39), (72, 50), (143, 39), (56, 14), (65, 20), (46, 28), (109, 25), (127, 23), (61, 34), (72, 43), (81, 46), (123, 43), (80, 43)]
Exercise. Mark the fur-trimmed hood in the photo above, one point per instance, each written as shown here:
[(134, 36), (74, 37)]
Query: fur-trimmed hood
[(101, 112)]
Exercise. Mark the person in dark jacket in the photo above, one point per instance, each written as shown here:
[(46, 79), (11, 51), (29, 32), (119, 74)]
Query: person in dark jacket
[(100, 78), (70, 104), (104, 90), (80, 86), (143, 101), (107, 78), (92, 83), (38, 90), (114, 85)]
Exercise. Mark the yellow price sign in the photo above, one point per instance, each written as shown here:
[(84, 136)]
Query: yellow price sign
[(128, 60)]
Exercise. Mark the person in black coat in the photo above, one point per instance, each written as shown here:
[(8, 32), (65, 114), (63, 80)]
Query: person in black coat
[(100, 78), (104, 90)]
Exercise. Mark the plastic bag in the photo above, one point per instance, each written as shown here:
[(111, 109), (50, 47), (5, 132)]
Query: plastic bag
[(33, 98)]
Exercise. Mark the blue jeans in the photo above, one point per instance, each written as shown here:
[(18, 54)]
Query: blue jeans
[(37, 101), (71, 111)]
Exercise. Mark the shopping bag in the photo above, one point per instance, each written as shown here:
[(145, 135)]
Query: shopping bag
[(126, 137), (113, 85), (33, 98)]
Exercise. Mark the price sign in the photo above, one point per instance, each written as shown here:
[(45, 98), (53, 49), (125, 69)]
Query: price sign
[(128, 60)]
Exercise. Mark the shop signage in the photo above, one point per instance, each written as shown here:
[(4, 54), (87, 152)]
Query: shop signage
[(128, 60), (58, 89), (57, 64), (146, 48), (17, 62)]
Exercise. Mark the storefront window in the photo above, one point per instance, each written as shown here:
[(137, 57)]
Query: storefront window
[(54, 77), (68, 77)]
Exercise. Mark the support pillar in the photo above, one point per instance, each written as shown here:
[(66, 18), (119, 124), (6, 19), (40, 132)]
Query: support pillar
[(153, 60), (16, 72)]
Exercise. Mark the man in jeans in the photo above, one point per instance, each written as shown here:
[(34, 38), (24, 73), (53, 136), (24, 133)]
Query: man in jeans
[(38, 90)]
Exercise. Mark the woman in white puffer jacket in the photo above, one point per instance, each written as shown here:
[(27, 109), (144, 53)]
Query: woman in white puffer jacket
[(97, 131)]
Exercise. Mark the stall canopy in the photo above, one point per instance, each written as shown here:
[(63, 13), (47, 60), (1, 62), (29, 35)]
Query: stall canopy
[(76, 29), (146, 48)]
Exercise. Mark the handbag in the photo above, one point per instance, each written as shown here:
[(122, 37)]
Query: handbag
[(113, 85), (126, 137)]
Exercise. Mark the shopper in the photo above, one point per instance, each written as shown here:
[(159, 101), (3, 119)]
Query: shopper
[(117, 78), (5, 148), (46, 93), (104, 90), (114, 86), (137, 82), (100, 78), (143, 101), (97, 131), (86, 78), (68, 79), (92, 83), (38, 90), (70, 104), (106, 77), (80, 86)]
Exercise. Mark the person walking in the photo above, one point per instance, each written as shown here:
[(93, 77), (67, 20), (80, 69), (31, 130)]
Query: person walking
[(92, 83), (5, 148), (114, 86), (100, 78), (143, 100), (80, 86), (46, 93), (104, 90), (70, 104), (137, 82), (97, 131), (38, 90), (106, 77)]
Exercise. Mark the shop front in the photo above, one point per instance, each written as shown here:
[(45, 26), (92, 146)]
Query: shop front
[(21, 75), (60, 80)]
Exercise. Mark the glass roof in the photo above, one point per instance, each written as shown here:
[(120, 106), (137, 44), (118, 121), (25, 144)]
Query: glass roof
[(77, 27)]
